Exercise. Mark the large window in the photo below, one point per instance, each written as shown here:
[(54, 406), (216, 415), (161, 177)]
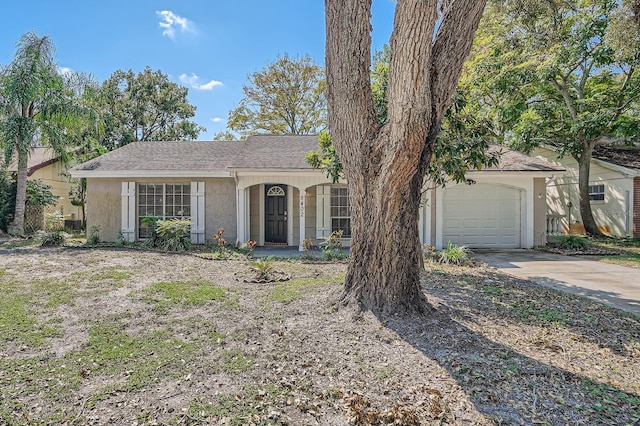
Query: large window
[(596, 192), (340, 211), (163, 200)]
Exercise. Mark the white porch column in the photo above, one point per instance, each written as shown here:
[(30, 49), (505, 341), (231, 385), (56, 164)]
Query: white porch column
[(303, 193), (241, 216), (439, 219)]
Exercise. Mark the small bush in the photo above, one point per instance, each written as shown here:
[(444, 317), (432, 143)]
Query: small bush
[(332, 247), (453, 254), (307, 246), (247, 248), (573, 242), (263, 267), (220, 241), (151, 222), (52, 238), (54, 221), (173, 235), (94, 236)]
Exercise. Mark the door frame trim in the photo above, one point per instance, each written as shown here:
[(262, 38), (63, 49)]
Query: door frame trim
[(263, 215)]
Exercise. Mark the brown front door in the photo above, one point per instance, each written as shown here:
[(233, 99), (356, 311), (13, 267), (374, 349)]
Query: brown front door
[(276, 214)]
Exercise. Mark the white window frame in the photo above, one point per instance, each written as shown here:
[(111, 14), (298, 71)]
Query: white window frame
[(185, 204), (597, 190), (343, 195)]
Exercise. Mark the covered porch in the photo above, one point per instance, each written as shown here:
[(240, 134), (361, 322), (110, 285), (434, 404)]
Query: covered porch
[(282, 208)]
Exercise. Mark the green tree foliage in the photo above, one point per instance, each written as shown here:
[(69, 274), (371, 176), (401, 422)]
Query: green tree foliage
[(462, 144), (141, 107), (285, 97), (560, 73), (225, 136), (39, 194), (37, 104)]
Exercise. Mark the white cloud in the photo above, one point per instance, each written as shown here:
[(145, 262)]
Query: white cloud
[(216, 119), (194, 81), (65, 71), (170, 22)]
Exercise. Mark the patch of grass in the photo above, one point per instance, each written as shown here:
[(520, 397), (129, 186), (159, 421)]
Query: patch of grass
[(573, 242), (54, 293), (114, 274), (170, 294), (632, 261), (491, 289), (239, 408), (440, 272), (236, 361), (538, 313), (610, 400), (53, 377), (288, 291), (19, 243), (203, 330), (19, 324), (134, 361), (142, 359)]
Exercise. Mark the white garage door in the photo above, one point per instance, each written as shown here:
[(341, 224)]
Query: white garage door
[(482, 216)]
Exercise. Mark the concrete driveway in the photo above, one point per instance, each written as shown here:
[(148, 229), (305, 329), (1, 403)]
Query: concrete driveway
[(614, 285)]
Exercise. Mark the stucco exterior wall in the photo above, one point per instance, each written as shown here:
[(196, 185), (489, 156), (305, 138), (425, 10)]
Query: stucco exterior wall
[(103, 207), (52, 175), (104, 203), (613, 215), (220, 208)]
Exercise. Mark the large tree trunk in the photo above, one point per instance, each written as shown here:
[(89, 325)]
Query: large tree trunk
[(17, 226), (384, 267), (584, 171), (385, 164)]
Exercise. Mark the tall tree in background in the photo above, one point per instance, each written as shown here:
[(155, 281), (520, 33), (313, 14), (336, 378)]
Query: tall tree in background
[(142, 107), (385, 162), (561, 73), (37, 105), (285, 97), (463, 143)]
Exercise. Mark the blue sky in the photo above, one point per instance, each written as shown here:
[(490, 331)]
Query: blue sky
[(209, 46)]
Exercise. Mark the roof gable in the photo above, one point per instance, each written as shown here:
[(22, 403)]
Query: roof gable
[(39, 157)]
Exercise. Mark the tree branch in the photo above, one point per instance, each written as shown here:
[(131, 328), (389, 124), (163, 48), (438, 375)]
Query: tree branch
[(455, 34), (348, 59)]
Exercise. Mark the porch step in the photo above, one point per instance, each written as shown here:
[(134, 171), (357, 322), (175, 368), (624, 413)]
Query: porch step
[(266, 244)]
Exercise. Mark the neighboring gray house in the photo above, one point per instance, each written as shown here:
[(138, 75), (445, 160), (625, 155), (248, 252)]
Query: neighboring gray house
[(262, 189)]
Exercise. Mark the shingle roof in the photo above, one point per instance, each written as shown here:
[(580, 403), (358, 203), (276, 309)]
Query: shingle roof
[(626, 156), (164, 156), (515, 161), (39, 157), (276, 152), (257, 152)]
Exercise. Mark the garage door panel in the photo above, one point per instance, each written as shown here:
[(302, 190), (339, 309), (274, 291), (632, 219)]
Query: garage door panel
[(490, 223), (482, 215)]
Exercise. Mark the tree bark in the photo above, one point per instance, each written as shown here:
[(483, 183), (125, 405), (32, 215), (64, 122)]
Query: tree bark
[(17, 226), (584, 171), (385, 164)]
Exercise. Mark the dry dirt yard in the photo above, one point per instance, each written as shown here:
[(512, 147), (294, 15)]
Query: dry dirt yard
[(130, 337)]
